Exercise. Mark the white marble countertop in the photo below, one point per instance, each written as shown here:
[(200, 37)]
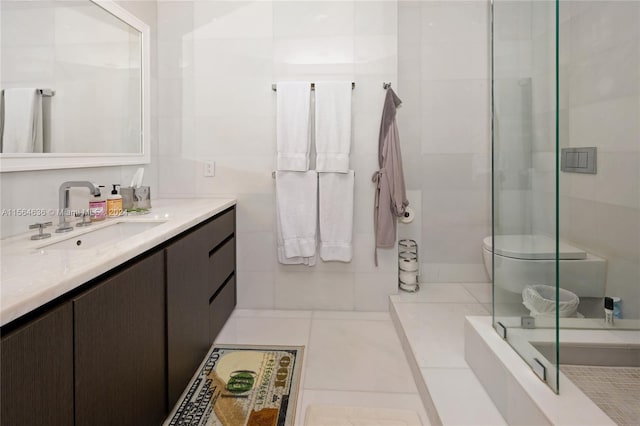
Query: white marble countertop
[(33, 274)]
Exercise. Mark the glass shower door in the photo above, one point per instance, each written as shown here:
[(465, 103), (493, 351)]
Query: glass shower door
[(523, 247)]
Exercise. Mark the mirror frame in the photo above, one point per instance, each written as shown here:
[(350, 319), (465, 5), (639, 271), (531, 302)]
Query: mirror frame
[(50, 161)]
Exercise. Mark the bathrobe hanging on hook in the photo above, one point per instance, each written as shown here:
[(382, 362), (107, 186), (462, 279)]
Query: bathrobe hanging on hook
[(391, 195)]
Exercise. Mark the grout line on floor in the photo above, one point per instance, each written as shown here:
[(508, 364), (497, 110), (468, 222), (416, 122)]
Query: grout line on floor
[(472, 295), (479, 302), (444, 368), (362, 391), (421, 302), (352, 319), (308, 345)]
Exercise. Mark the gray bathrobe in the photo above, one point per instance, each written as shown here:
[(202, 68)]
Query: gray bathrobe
[(391, 196)]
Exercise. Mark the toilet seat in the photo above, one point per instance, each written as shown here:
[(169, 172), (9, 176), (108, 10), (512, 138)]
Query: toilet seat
[(532, 247)]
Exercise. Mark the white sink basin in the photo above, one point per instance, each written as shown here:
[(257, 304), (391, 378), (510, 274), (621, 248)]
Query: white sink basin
[(106, 235)]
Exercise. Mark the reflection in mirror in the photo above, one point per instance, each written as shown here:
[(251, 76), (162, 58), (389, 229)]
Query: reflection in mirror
[(71, 78)]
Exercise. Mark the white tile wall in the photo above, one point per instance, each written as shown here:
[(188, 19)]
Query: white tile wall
[(322, 290), (595, 80), (37, 64), (36, 24), (372, 289), (257, 289), (454, 116), (222, 59), (443, 71), (618, 124), (601, 212)]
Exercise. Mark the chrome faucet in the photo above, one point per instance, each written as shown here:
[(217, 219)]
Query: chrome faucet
[(63, 201)]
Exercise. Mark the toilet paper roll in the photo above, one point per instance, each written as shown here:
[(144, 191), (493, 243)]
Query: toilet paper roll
[(411, 255), (409, 265), (411, 288), (408, 245), (409, 215), (408, 277)]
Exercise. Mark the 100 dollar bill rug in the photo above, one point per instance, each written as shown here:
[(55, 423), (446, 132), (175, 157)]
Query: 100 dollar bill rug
[(242, 385)]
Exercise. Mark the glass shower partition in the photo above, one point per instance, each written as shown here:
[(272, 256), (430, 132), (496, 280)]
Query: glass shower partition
[(523, 247)]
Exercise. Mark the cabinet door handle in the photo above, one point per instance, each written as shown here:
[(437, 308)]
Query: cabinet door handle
[(224, 284), (219, 246)]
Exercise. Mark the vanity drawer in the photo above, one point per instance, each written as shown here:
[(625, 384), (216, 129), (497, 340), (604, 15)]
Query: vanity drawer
[(216, 231), (221, 306), (222, 262)]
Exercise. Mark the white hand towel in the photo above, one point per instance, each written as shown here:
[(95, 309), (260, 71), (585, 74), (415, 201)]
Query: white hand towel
[(297, 204), (293, 125), (282, 258), (336, 216), (333, 126), (22, 126)]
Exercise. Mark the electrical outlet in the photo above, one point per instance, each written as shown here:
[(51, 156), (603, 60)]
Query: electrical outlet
[(209, 168)]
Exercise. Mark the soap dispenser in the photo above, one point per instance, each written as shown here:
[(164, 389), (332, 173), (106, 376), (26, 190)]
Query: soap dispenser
[(98, 206), (114, 202)]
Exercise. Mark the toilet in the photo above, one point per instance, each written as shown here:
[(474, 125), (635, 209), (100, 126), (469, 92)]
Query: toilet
[(528, 260)]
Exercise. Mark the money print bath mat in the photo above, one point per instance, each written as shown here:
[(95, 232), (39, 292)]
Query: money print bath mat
[(242, 385)]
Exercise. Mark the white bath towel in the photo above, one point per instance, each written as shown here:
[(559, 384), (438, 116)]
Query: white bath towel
[(22, 123), (333, 126), (336, 215), (293, 125), (297, 205), (282, 258)]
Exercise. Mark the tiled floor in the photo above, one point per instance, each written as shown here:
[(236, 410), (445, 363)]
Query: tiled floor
[(433, 323), (351, 358), (356, 358)]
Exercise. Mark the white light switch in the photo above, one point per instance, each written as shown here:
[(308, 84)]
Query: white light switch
[(209, 168)]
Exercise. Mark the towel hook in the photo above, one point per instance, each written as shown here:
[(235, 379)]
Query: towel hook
[(386, 86)]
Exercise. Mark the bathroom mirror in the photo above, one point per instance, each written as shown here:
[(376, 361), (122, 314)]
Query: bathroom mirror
[(75, 85)]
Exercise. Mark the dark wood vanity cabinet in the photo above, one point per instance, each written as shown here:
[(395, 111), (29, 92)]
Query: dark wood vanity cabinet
[(122, 348), (198, 264), (37, 370), (119, 344)]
